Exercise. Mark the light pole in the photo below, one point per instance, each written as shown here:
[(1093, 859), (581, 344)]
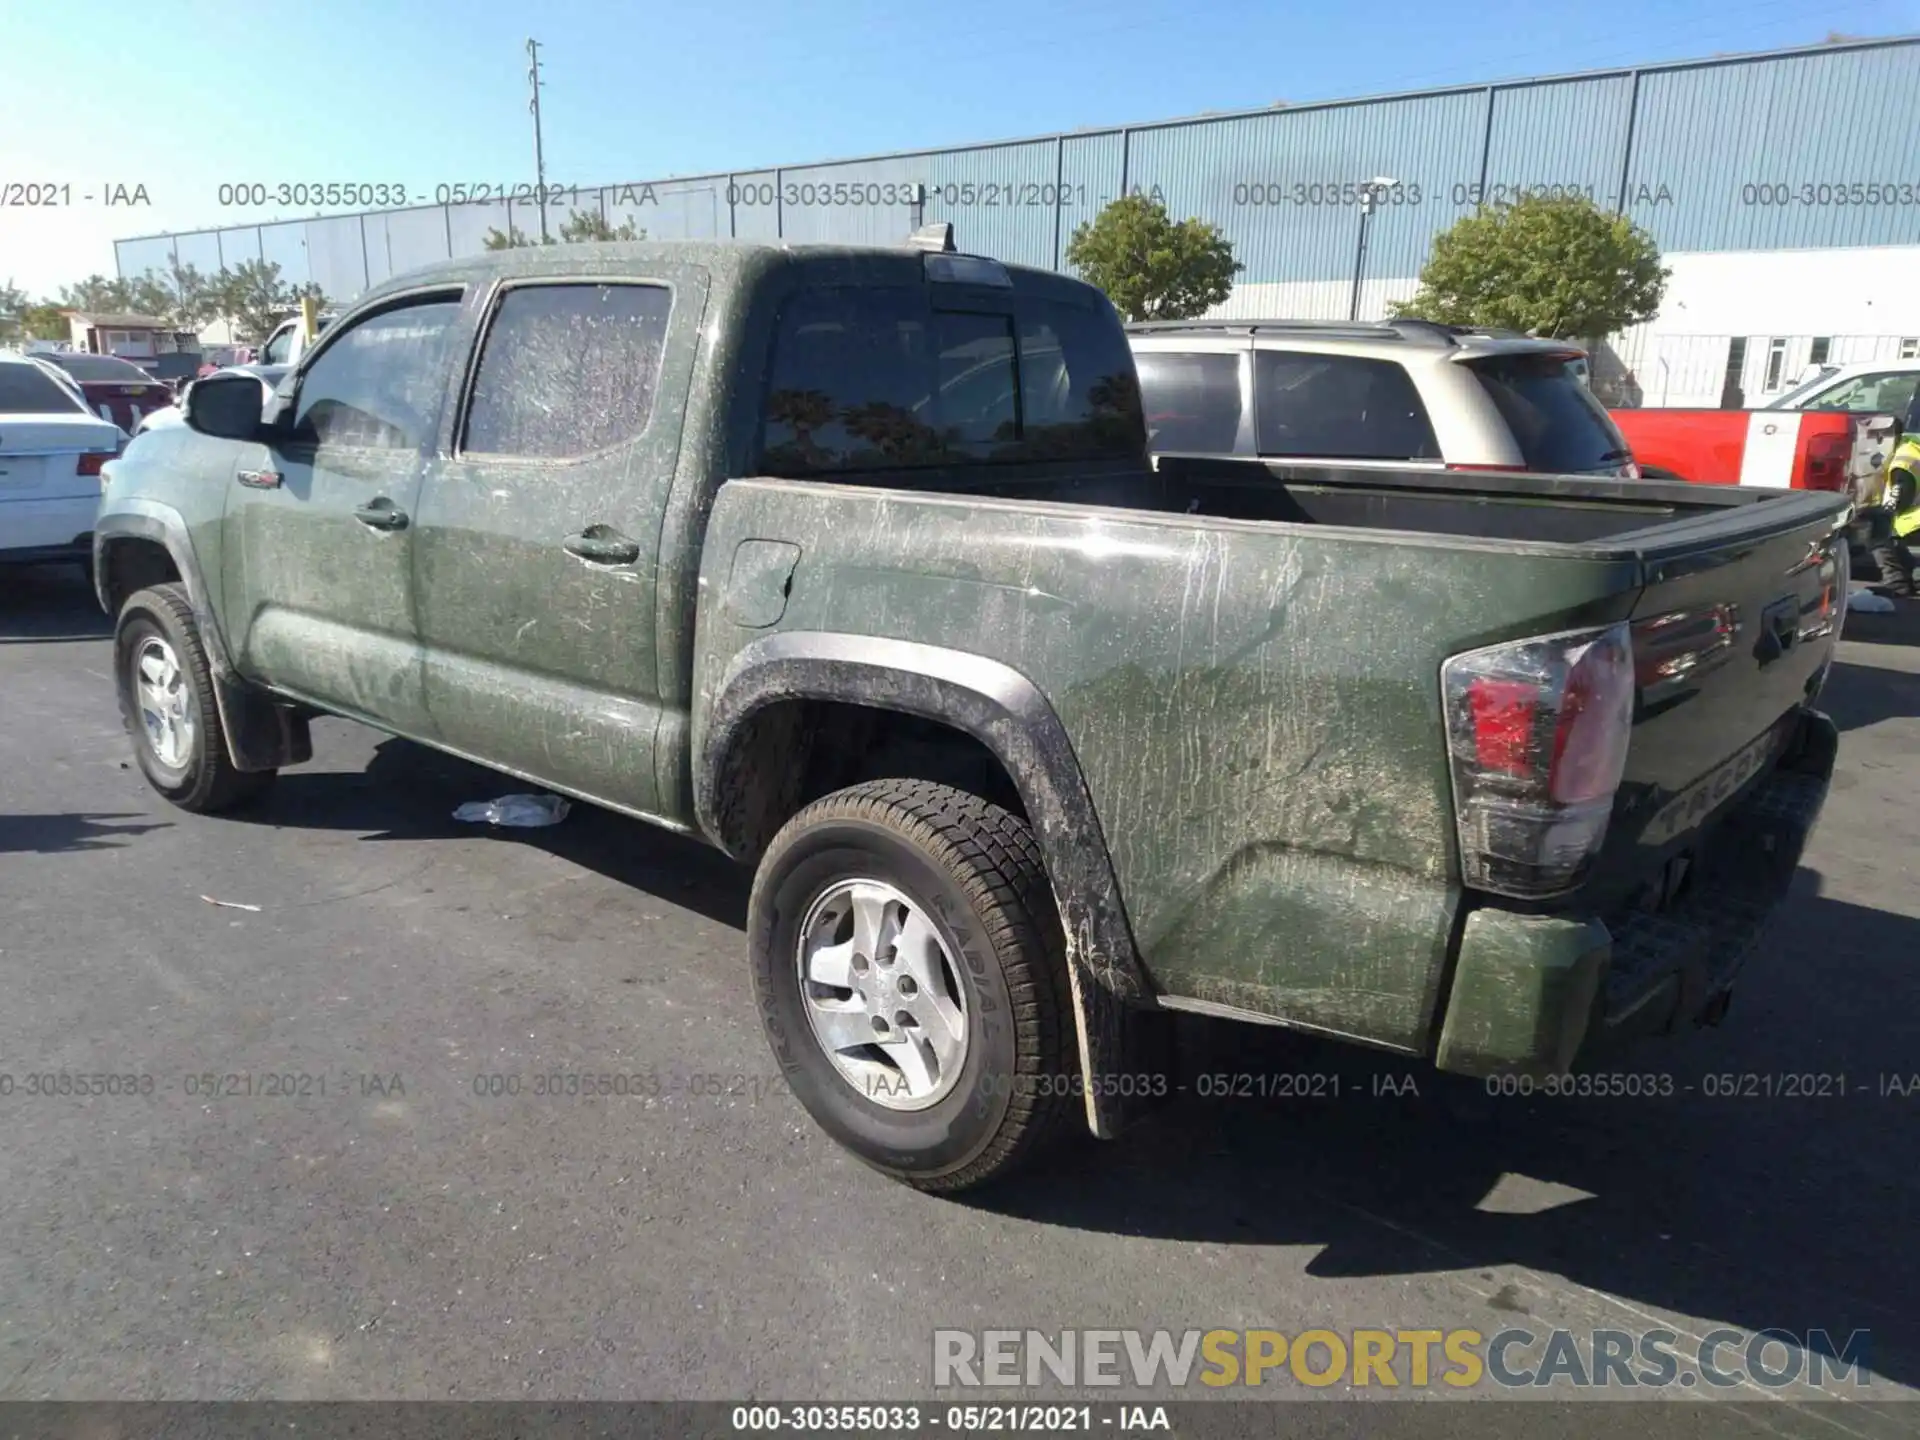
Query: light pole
[(1369, 192), (539, 154)]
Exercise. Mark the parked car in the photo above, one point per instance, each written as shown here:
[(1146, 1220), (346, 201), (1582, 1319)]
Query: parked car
[(1028, 739), (52, 449), (115, 389), (1392, 393)]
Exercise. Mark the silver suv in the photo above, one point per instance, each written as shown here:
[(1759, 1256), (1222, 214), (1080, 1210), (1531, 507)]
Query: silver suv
[(1394, 393)]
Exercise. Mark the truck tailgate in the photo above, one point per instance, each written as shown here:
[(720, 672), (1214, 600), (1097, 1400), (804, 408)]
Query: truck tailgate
[(1732, 638)]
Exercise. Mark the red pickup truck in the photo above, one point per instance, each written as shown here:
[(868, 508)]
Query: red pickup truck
[(1776, 449)]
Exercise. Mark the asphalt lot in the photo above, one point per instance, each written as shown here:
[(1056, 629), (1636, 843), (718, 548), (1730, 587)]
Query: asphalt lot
[(423, 1241)]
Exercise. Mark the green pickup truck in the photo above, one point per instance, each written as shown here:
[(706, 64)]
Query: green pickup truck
[(854, 563)]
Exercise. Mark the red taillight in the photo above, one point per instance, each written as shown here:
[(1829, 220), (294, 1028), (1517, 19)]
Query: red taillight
[(1538, 733), (90, 464), (1824, 461), (1503, 716)]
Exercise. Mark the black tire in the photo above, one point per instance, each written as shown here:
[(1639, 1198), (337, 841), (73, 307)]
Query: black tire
[(975, 871), (207, 781)]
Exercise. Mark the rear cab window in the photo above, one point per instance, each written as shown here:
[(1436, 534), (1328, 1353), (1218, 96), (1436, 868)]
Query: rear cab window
[(99, 369), (1554, 419), (1192, 400), (27, 390), (1338, 407), (1892, 392), (868, 377)]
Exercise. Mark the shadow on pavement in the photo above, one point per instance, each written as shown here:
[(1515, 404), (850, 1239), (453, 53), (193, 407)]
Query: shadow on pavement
[(410, 791), (1901, 627), (54, 834), (1859, 695), (1719, 1195), (41, 604), (1744, 1208)]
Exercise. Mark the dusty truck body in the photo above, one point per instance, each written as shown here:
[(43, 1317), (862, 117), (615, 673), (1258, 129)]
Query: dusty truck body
[(853, 563)]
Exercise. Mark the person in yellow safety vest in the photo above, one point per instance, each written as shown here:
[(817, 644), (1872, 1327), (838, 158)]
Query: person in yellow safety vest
[(1895, 559)]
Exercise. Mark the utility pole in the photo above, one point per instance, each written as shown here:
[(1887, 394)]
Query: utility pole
[(1369, 195), (539, 152)]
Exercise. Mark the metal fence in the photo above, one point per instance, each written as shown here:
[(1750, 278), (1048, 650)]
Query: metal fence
[(1643, 368)]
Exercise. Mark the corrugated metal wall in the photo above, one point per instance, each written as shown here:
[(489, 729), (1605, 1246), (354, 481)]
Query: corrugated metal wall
[(1766, 152)]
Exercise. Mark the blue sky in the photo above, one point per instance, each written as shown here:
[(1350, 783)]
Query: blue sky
[(186, 94)]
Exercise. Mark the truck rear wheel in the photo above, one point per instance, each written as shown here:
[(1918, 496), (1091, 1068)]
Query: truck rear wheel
[(911, 975), (166, 698)]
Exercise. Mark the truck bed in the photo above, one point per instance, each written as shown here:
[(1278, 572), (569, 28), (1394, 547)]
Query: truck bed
[(1246, 659), (1479, 506), (1545, 509)]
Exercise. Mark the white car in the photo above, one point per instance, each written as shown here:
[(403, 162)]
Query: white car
[(51, 451)]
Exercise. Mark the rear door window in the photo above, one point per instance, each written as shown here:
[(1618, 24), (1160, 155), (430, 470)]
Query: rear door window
[(568, 370), (1558, 425), (1344, 407), (869, 378), (1192, 401)]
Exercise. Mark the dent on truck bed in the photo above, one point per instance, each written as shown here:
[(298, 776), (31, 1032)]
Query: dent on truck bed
[(1255, 711)]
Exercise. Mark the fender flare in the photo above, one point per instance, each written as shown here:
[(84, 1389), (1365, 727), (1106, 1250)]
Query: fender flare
[(261, 734), (1006, 712)]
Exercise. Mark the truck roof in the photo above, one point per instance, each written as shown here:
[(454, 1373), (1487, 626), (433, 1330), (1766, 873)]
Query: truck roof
[(728, 260)]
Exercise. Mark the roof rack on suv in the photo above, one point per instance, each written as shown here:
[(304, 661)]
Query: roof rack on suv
[(1407, 328), (1418, 331)]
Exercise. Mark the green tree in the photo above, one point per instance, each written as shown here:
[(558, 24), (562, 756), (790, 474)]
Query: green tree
[(191, 297), (149, 294), (579, 226), (98, 295), (253, 299), (1151, 267), (13, 309), (1561, 268), (46, 321)]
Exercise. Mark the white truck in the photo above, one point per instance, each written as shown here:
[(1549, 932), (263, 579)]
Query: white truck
[(291, 338)]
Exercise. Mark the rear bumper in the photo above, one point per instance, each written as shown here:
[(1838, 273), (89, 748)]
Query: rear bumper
[(1541, 995), (33, 529)]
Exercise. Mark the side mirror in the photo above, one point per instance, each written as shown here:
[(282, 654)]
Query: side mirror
[(225, 406)]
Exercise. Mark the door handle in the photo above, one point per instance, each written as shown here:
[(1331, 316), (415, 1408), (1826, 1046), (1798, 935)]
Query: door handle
[(381, 513), (606, 547)]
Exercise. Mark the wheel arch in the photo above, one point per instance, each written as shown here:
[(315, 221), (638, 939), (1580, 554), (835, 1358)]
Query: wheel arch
[(1006, 712), (261, 734)]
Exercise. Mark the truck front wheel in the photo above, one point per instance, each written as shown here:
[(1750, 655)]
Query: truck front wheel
[(910, 973), (166, 698)]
